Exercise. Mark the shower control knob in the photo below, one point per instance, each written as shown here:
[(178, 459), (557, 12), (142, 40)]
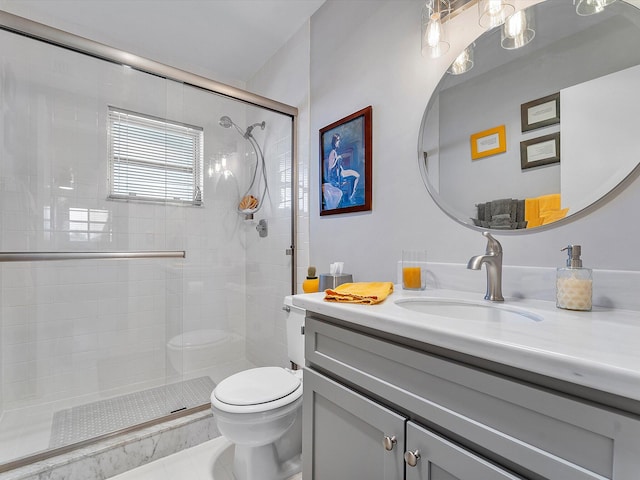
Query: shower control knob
[(411, 458), (389, 442)]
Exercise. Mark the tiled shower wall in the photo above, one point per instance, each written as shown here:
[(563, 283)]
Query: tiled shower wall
[(83, 328)]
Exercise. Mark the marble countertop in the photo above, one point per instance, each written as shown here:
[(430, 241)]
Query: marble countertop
[(598, 349)]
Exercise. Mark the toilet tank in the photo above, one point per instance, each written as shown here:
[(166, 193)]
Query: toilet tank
[(295, 337)]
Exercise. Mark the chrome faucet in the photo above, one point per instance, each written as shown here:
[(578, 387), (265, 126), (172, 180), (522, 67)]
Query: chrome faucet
[(492, 258)]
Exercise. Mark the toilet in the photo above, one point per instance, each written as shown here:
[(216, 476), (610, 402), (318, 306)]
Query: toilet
[(260, 411)]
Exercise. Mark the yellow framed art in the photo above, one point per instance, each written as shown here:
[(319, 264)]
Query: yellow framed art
[(488, 142)]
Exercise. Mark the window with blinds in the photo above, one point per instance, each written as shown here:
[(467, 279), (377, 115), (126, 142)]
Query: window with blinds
[(151, 159)]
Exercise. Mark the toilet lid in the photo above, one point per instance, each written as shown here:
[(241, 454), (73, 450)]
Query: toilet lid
[(257, 385)]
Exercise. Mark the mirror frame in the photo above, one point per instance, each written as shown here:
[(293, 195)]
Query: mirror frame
[(625, 181)]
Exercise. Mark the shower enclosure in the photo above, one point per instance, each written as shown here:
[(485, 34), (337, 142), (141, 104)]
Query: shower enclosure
[(122, 245)]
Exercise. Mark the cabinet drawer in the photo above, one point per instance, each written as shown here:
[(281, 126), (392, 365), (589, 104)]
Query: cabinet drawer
[(531, 430)]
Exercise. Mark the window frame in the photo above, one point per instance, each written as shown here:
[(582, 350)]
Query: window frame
[(158, 165)]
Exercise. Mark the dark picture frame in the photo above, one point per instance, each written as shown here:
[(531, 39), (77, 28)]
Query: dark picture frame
[(539, 151), (345, 164), (541, 112)]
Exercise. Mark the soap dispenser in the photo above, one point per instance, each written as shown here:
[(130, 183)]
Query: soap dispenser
[(574, 283), (310, 284)]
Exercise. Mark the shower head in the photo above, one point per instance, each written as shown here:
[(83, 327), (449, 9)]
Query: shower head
[(225, 122)]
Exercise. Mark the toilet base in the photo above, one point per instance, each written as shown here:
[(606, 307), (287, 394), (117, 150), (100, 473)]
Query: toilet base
[(251, 463)]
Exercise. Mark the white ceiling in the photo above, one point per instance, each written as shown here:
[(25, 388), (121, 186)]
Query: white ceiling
[(227, 40)]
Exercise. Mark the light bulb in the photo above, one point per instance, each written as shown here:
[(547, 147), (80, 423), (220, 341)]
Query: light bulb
[(515, 24), (434, 31), (494, 7), (518, 30), (493, 13), (463, 62), (591, 7)]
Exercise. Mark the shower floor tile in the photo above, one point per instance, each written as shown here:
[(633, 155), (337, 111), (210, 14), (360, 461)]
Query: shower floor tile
[(104, 416), (25, 431)]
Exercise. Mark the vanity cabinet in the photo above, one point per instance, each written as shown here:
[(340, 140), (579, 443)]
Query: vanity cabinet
[(354, 437), (457, 420)]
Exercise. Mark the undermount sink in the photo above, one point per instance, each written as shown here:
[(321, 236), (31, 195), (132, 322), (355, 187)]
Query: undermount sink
[(467, 310)]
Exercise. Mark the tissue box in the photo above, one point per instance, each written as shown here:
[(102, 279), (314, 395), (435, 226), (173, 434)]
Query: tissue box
[(328, 280)]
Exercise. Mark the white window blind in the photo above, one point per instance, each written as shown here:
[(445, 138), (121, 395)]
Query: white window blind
[(153, 159)]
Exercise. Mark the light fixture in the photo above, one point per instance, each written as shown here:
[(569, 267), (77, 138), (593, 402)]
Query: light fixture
[(463, 62), (493, 13), (591, 7), (518, 30), (434, 41)]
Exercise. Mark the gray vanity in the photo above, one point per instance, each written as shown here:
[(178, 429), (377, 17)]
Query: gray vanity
[(412, 389)]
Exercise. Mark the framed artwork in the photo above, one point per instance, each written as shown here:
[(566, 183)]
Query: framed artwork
[(539, 113), (345, 164), (540, 151), (488, 142)]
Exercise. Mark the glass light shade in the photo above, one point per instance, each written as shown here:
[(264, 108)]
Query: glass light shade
[(434, 41), (493, 13), (591, 7), (463, 62), (518, 30)]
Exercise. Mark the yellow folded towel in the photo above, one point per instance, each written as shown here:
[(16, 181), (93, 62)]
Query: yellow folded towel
[(554, 216), (532, 212), (549, 203), (361, 292), (543, 210)]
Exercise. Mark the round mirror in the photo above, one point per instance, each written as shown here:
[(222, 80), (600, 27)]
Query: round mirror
[(537, 119)]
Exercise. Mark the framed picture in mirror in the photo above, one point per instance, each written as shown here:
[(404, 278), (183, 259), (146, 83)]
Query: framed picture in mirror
[(345, 164), (541, 112), (488, 142), (540, 151)]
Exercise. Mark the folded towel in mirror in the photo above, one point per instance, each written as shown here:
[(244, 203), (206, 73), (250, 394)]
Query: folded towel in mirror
[(360, 292), (549, 203), (500, 207)]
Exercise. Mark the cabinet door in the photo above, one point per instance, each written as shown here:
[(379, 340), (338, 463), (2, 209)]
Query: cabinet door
[(344, 434), (436, 458)]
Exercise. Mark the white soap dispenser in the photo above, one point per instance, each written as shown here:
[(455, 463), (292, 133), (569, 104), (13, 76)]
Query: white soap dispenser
[(574, 283)]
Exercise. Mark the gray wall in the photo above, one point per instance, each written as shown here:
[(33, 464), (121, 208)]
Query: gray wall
[(371, 56)]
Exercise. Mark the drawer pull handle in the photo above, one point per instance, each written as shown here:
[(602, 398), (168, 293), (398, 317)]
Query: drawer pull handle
[(411, 458), (389, 442)]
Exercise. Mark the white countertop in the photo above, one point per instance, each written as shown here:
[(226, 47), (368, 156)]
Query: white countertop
[(598, 349)]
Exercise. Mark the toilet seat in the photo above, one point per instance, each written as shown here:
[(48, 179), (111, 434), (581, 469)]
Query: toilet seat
[(257, 390)]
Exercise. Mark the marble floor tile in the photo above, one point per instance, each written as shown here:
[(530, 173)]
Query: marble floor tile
[(210, 460)]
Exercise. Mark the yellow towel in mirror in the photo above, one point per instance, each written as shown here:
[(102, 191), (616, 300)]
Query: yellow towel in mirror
[(368, 293), (543, 210), (532, 212), (550, 217), (549, 203)]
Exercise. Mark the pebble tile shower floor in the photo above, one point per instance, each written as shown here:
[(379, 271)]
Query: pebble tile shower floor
[(104, 416)]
